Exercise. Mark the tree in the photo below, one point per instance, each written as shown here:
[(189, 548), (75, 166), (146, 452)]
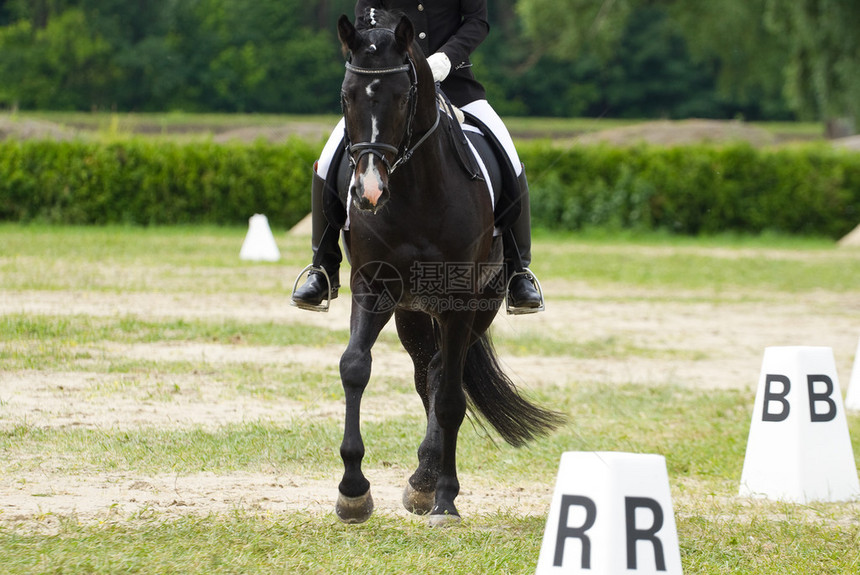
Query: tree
[(650, 73), (63, 66), (6, 13), (824, 58), (37, 12), (155, 55), (734, 37), (635, 58), (565, 28), (808, 48), (258, 56)]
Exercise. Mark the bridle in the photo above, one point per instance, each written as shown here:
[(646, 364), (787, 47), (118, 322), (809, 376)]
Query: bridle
[(405, 150)]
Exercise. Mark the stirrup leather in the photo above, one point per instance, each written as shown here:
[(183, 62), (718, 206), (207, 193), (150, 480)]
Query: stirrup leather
[(326, 302), (524, 310)]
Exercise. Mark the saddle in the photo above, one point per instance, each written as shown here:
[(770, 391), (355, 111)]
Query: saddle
[(465, 140)]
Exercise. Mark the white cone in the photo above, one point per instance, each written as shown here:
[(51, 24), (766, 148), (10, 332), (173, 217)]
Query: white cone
[(259, 244), (852, 400), (799, 449), (610, 513)]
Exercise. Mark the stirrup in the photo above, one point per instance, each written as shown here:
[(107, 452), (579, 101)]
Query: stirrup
[(524, 310), (325, 303)]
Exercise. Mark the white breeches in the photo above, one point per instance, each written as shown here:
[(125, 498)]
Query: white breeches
[(331, 145), (481, 109)]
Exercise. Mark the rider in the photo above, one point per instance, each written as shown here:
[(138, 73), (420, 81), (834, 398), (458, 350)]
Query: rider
[(448, 31)]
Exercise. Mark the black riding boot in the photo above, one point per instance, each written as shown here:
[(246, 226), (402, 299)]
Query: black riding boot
[(327, 256), (523, 294)]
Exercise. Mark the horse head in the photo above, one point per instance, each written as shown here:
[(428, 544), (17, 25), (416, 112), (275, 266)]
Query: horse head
[(379, 99)]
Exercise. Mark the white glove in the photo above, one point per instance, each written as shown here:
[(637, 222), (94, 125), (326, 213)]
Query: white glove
[(440, 65)]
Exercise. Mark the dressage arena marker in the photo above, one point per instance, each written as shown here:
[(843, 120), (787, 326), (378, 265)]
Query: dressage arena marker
[(799, 449), (852, 400), (610, 513), (259, 244)]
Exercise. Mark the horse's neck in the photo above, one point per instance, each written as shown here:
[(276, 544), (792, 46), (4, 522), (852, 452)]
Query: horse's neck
[(427, 108), (426, 167)]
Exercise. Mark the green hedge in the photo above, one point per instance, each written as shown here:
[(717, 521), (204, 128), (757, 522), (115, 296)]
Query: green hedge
[(154, 182), (703, 189)]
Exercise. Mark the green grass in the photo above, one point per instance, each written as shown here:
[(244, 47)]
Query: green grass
[(246, 543), (702, 433), (128, 260), (562, 344), (754, 273), (171, 124), (770, 539), (243, 542), (77, 330), (179, 123), (772, 264), (62, 340), (82, 343), (702, 436), (119, 259)]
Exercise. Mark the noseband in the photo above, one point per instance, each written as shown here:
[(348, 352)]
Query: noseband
[(404, 152)]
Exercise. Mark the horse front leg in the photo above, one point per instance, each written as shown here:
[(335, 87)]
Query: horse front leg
[(354, 502), (419, 496), (448, 409), (416, 333)]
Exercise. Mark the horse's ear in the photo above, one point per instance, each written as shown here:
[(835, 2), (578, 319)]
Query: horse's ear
[(347, 34), (404, 34)]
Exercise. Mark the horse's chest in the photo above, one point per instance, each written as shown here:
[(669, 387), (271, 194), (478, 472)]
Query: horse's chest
[(431, 237), (429, 265)]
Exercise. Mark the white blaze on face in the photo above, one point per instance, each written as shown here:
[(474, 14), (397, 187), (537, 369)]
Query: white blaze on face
[(374, 123), (371, 88), (370, 181)]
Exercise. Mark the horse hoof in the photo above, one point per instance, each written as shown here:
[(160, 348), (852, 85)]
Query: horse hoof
[(354, 509), (444, 520), (418, 502)]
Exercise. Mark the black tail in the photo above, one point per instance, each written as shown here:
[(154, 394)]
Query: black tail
[(499, 401)]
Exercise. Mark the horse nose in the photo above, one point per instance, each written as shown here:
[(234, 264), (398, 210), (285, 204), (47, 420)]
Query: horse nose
[(371, 187)]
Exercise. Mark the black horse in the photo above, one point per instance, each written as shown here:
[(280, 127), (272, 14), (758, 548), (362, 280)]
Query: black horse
[(422, 248)]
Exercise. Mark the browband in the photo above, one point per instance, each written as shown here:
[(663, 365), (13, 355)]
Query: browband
[(377, 71)]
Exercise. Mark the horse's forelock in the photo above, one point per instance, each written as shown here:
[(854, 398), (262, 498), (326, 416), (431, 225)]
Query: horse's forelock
[(376, 18), (378, 30)]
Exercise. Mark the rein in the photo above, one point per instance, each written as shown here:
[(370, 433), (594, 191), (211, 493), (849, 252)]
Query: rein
[(404, 152)]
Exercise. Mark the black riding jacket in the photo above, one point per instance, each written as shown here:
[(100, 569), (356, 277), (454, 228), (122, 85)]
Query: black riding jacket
[(453, 27)]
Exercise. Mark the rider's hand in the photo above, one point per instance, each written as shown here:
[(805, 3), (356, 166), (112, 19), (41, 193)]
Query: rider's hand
[(440, 65)]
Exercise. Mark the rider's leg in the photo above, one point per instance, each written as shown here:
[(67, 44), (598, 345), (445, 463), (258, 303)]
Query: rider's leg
[(522, 292), (324, 236)]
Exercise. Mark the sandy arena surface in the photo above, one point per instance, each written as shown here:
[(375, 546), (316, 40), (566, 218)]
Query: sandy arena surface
[(710, 343)]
